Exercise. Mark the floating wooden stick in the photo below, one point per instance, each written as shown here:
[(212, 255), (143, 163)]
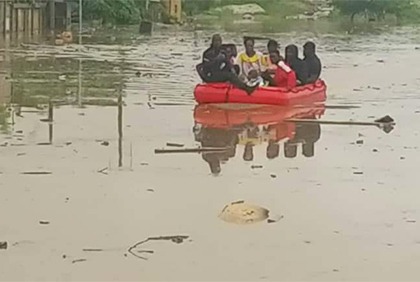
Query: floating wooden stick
[(37, 172), (174, 145), (191, 150), (178, 239), (386, 123), (333, 122), (93, 250)]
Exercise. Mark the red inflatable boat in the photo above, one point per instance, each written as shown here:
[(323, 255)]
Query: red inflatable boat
[(225, 93)]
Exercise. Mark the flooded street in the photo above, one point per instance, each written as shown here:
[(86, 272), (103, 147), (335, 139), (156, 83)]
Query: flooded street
[(83, 196)]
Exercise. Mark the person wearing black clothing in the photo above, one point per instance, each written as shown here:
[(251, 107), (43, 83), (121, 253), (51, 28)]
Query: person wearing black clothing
[(296, 64), (217, 66), (313, 63)]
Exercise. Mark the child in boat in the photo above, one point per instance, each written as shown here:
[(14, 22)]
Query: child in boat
[(255, 79)]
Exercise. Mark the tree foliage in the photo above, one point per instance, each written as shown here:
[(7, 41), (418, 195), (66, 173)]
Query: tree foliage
[(114, 11), (398, 8), (199, 6)]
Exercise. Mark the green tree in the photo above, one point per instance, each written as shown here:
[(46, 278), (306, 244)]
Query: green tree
[(399, 8), (113, 11)]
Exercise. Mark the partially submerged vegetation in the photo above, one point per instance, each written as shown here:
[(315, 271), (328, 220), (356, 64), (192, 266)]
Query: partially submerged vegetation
[(276, 11)]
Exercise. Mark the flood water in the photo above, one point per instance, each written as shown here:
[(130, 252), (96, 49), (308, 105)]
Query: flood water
[(83, 196)]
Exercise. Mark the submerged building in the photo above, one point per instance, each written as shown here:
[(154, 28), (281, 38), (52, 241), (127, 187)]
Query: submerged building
[(18, 16)]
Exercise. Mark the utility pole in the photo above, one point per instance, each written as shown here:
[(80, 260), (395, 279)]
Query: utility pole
[(52, 15), (80, 21)]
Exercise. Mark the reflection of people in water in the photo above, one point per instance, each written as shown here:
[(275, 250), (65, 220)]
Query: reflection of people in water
[(252, 132), (217, 127), (308, 135), (273, 150), (218, 138)]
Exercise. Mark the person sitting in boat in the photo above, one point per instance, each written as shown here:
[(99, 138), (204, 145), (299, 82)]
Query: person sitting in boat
[(249, 59), (216, 66), (267, 65), (313, 63), (269, 68), (284, 76), (299, 67)]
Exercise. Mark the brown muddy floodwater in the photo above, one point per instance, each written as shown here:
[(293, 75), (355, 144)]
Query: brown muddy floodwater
[(83, 196)]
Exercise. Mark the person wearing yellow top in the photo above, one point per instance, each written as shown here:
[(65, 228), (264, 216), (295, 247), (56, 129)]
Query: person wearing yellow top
[(249, 59)]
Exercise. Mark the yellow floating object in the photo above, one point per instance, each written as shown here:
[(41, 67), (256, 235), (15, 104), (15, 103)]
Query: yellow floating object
[(243, 213)]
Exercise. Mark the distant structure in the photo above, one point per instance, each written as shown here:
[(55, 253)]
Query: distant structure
[(34, 17), (174, 10)]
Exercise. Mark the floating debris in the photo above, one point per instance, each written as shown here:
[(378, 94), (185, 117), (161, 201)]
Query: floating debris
[(256, 166), (243, 213), (385, 119), (3, 245), (36, 172), (275, 220), (103, 171), (192, 150), (93, 250), (177, 239), (175, 145), (78, 260)]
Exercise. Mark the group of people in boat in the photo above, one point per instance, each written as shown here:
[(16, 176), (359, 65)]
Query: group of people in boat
[(250, 69)]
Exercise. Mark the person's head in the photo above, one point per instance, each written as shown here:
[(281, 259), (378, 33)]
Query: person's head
[(253, 74), (216, 41), (229, 52), (272, 46), (249, 43), (309, 49), (275, 57), (291, 52), (273, 150)]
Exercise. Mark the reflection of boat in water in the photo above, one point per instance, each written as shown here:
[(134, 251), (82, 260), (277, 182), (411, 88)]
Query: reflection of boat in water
[(225, 93), (230, 126)]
